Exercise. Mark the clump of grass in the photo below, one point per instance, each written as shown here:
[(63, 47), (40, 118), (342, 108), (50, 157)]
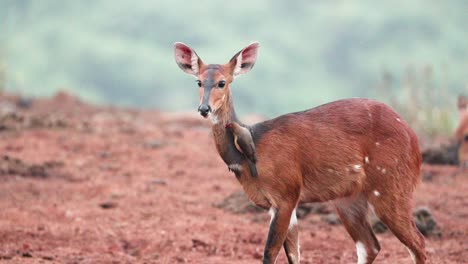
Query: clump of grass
[(427, 106)]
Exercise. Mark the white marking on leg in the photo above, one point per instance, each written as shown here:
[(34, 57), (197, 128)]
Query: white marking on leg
[(413, 257), (376, 251), (235, 167), (293, 220), (298, 252), (376, 193), (361, 253), (272, 213)]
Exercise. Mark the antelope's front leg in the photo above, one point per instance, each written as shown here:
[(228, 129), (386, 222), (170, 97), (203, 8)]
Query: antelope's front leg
[(280, 218), (291, 244)]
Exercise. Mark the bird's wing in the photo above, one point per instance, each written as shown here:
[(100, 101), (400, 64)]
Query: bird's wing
[(238, 147), (248, 149)]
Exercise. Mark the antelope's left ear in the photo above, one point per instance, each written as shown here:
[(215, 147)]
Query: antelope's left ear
[(244, 60)]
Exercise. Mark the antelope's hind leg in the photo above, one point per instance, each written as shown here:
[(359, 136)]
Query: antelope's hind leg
[(353, 214), (396, 213)]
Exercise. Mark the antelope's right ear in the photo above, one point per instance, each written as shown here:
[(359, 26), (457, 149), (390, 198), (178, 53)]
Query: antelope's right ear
[(187, 59), (462, 102)]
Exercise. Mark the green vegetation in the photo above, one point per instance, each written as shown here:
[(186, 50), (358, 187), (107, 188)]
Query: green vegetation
[(312, 51)]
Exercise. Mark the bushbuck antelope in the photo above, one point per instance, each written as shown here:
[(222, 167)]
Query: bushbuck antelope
[(358, 153), (461, 133)]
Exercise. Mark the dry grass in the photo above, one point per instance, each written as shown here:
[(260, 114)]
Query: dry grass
[(426, 105)]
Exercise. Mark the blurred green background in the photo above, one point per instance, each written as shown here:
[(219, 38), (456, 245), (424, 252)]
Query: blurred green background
[(411, 54)]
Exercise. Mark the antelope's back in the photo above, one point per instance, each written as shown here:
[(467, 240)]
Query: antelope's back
[(351, 142)]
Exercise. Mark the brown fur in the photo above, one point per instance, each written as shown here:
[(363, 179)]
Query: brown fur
[(346, 151)]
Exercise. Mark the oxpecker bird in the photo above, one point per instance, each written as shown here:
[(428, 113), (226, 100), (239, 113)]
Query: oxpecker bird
[(244, 144)]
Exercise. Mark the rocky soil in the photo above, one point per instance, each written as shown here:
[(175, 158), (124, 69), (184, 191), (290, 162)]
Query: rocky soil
[(88, 184)]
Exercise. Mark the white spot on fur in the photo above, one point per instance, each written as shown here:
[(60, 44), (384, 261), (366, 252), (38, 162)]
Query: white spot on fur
[(214, 119), (378, 167), (361, 253), (235, 167), (366, 159), (376, 193), (293, 220), (357, 167), (377, 143), (384, 170), (398, 119), (272, 213), (330, 170), (413, 257)]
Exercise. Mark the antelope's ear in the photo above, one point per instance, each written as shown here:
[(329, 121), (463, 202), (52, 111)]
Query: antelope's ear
[(187, 59), (462, 102), (244, 60)]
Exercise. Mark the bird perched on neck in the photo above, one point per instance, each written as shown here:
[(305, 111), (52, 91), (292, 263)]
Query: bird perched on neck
[(244, 143)]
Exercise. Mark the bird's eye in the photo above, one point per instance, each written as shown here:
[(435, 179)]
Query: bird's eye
[(221, 84), (199, 83)]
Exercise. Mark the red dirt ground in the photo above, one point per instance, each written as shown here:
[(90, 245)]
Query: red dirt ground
[(127, 186)]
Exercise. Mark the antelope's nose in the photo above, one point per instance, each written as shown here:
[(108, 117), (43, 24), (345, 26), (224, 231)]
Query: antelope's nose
[(204, 109)]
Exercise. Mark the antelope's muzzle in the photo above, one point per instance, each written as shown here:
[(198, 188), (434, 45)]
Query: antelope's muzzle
[(204, 110)]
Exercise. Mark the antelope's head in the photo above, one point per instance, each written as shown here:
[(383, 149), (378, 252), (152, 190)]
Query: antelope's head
[(213, 80)]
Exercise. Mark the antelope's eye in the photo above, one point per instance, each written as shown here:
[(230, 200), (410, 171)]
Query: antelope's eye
[(199, 83), (221, 84)]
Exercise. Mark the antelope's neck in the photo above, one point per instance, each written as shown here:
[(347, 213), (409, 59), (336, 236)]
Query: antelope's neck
[(224, 140)]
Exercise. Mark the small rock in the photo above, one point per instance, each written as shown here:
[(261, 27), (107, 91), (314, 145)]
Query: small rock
[(26, 255), (445, 154), (24, 103), (427, 176), (108, 205), (158, 182), (257, 255), (425, 222), (377, 225), (155, 144), (331, 219), (104, 154), (198, 243)]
